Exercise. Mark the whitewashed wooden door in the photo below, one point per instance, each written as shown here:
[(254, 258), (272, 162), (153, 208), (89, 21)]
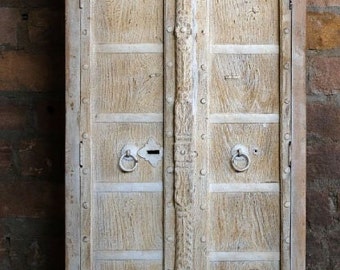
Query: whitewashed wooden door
[(184, 120)]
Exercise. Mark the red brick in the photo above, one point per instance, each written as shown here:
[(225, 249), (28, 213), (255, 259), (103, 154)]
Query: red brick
[(9, 17), (323, 31), (50, 116), (31, 199), (323, 121), (12, 117), (324, 75), (24, 71), (334, 246), (317, 251), (323, 3), (5, 157), (46, 26), (318, 209), (40, 158), (323, 162)]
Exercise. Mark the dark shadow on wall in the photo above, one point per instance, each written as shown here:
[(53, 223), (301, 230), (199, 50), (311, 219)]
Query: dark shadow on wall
[(32, 134)]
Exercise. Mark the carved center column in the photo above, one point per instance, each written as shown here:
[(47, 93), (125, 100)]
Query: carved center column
[(184, 134)]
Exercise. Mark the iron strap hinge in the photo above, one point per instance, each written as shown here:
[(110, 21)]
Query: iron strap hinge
[(81, 154), (290, 154), (290, 4)]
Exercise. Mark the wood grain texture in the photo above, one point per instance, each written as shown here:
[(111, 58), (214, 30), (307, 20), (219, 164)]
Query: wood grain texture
[(286, 131), (128, 83), (245, 22), (245, 266), (262, 142), (298, 218), (184, 137), (121, 21), (245, 222), (108, 141), (168, 161), (128, 221), (85, 163), (244, 84), (201, 198), (128, 265), (72, 97)]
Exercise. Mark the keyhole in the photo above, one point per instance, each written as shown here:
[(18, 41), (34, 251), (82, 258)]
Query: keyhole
[(153, 152)]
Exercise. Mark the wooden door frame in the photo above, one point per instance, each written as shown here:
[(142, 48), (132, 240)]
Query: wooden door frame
[(73, 235), (298, 170)]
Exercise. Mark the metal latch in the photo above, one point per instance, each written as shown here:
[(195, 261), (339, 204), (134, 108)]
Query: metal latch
[(151, 152)]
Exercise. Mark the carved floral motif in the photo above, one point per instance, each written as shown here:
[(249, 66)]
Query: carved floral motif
[(184, 125)]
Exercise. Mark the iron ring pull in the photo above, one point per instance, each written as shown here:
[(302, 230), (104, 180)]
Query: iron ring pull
[(238, 154), (126, 156)]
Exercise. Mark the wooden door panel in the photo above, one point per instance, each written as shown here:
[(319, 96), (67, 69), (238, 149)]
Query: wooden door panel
[(121, 21), (245, 266), (197, 77), (246, 83), (245, 22), (262, 141), (128, 221), (129, 83), (109, 140), (245, 222)]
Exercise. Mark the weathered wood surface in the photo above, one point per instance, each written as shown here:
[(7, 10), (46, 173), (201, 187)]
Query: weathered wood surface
[(184, 135), (245, 84), (245, 22), (128, 221), (298, 220), (247, 222), (129, 265), (121, 21), (263, 145), (140, 78), (108, 141), (245, 265), (198, 77), (72, 97)]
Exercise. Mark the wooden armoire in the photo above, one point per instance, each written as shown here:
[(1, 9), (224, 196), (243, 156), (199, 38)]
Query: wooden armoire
[(185, 135)]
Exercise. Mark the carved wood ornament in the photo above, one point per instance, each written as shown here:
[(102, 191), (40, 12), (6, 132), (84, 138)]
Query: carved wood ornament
[(184, 137)]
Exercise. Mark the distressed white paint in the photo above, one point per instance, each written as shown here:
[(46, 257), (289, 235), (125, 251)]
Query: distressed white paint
[(244, 256), (244, 49), (129, 48), (220, 118), (129, 255), (128, 187), (129, 118), (250, 187)]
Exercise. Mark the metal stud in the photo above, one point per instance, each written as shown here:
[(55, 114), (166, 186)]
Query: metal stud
[(203, 101), (203, 172)]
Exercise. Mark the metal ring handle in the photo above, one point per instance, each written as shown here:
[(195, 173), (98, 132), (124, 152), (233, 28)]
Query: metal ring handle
[(128, 155), (233, 161)]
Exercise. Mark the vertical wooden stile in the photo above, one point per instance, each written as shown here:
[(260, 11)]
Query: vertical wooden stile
[(85, 135), (298, 196), (285, 130), (169, 98), (72, 97), (201, 200)]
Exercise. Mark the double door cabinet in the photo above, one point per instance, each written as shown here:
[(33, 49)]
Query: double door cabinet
[(185, 145)]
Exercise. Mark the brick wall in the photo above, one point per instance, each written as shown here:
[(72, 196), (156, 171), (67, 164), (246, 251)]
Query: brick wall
[(32, 134), (323, 134)]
